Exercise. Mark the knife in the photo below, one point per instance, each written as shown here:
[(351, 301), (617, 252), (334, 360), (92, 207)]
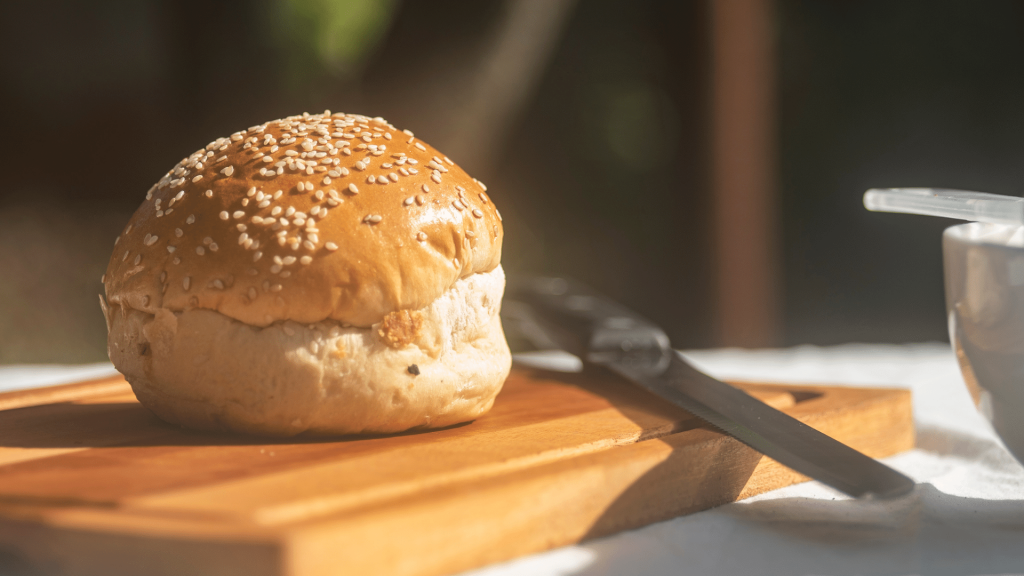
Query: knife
[(599, 331)]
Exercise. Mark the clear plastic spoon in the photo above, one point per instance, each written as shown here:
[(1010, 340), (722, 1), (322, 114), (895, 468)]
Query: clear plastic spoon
[(961, 204)]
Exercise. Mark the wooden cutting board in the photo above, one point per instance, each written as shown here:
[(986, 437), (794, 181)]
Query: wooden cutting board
[(91, 483)]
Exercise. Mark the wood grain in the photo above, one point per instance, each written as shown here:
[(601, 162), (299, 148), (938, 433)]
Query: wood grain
[(91, 483)]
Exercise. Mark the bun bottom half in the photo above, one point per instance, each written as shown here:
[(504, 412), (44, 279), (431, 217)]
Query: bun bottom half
[(430, 368)]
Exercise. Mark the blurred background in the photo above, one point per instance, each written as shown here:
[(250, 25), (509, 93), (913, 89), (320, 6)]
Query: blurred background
[(702, 161)]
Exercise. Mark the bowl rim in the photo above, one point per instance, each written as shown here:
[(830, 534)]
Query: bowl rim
[(982, 233)]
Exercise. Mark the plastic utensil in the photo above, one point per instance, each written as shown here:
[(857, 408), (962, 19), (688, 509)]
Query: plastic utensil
[(960, 204)]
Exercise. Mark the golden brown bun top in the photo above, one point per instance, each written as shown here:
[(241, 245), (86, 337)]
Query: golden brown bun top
[(306, 218)]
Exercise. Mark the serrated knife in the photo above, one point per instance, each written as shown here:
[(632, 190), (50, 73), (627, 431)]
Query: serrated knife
[(602, 332)]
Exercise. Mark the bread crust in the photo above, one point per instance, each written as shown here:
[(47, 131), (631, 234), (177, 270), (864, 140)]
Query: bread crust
[(215, 233)]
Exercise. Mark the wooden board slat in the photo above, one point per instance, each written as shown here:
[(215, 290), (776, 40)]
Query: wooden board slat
[(91, 483)]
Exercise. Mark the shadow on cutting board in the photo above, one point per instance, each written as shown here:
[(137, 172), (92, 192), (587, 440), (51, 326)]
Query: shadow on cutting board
[(701, 486), (128, 423)]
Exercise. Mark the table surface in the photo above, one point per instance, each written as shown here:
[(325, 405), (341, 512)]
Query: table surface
[(966, 515)]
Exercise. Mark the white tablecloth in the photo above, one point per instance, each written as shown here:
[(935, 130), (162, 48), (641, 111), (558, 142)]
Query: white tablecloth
[(965, 517)]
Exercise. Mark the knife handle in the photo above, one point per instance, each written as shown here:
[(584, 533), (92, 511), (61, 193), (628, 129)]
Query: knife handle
[(595, 328)]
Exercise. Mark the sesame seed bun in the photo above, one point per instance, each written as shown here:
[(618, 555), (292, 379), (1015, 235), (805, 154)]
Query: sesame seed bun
[(292, 230)]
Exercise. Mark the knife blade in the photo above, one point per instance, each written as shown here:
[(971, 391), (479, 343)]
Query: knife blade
[(603, 332)]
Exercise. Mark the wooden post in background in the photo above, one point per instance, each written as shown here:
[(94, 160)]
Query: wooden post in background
[(745, 211)]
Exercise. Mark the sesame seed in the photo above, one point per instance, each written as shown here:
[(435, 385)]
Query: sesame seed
[(242, 238), (305, 260), (276, 288), (352, 188), (186, 282), (308, 245), (470, 234), (228, 171), (426, 188), (276, 210), (393, 176), (360, 166), (178, 232), (419, 200), (408, 200), (483, 197), (256, 256), (421, 147), (458, 205), (331, 246), (278, 194), (436, 177), (217, 283), (275, 269), (237, 214), (403, 171), (421, 236), (138, 259), (150, 240), (200, 250), (253, 293), (372, 218), (498, 214), (241, 227), (224, 215)]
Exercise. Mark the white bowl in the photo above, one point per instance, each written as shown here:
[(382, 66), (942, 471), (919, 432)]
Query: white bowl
[(984, 270)]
